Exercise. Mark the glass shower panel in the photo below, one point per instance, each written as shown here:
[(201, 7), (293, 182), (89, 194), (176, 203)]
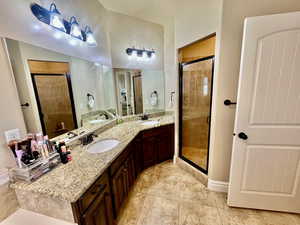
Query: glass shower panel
[(196, 104)]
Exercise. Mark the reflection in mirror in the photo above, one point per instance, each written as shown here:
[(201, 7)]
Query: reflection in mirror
[(139, 91), (128, 91), (62, 92)]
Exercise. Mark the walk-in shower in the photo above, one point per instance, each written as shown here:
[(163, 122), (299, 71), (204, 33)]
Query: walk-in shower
[(195, 108)]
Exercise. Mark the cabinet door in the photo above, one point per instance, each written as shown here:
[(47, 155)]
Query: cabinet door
[(164, 147), (150, 145), (166, 144), (138, 156), (100, 212), (129, 173), (131, 170), (119, 184)]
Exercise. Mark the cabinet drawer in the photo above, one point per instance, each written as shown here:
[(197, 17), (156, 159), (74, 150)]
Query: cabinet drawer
[(91, 194), (157, 131), (151, 132)]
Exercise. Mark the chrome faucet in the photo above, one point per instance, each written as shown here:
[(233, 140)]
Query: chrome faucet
[(87, 139)]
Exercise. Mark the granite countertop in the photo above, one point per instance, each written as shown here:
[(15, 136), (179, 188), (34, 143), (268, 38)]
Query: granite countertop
[(68, 182)]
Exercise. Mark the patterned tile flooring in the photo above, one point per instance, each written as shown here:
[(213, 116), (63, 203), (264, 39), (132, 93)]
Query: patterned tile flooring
[(167, 195)]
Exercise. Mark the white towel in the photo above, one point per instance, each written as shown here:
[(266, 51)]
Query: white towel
[(153, 100)]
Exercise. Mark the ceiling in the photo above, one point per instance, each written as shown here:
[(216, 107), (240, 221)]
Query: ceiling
[(157, 11)]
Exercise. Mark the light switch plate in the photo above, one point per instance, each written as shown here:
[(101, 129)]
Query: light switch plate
[(12, 135)]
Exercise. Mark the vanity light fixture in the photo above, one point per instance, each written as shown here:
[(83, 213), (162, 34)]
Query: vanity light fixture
[(56, 19), (53, 18), (89, 37), (140, 54), (75, 29)]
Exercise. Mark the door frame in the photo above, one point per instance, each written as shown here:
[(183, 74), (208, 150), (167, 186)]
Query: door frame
[(134, 94), (181, 116), (68, 76)]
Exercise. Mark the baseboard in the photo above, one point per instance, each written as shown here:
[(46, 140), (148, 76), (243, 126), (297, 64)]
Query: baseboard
[(217, 186)]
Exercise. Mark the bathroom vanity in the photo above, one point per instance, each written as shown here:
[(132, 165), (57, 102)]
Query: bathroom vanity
[(93, 187)]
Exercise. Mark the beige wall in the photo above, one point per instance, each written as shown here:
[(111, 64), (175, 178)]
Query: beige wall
[(227, 73), (153, 80), (86, 78), (11, 118), (127, 31)]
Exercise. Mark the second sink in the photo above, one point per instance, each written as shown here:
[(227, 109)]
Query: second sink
[(103, 146), (150, 123)]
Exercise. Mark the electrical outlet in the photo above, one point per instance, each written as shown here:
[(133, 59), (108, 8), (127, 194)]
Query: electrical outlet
[(12, 135)]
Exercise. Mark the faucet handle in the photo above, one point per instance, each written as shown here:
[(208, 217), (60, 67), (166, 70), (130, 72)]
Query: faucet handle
[(144, 117)]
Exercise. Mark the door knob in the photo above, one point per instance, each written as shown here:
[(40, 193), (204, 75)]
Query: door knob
[(243, 136)]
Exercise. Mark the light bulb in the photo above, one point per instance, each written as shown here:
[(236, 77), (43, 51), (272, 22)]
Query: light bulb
[(153, 55), (134, 54), (56, 19), (90, 39), (75, 29), (145, 56)]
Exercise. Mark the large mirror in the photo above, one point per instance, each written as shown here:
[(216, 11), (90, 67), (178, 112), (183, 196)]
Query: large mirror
[(60, 93), (139, 91)]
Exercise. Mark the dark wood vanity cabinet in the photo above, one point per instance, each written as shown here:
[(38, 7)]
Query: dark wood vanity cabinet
[(150, 146), (100, 212), (101, 203), (94, 207), (123, 178), (158, 145)]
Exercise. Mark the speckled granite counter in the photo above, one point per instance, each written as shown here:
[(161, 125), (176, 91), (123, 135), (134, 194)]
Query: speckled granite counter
[(68, 182)]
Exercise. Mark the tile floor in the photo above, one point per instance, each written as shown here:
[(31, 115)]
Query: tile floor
[(167, 195)]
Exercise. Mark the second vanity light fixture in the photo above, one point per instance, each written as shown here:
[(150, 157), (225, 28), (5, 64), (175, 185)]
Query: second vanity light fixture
[(140, 54), (54, 18)]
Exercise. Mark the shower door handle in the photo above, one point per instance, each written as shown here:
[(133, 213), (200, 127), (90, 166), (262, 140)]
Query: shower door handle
[(243, 136)]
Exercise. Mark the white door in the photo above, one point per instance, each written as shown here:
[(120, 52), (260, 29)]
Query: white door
[(265, 168)]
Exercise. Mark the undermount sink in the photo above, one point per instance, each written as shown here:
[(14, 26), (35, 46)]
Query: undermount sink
[(103, 146), (96, 121), (150, 123)]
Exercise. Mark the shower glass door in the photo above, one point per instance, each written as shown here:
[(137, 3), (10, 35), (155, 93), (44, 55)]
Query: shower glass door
[(195, 106)]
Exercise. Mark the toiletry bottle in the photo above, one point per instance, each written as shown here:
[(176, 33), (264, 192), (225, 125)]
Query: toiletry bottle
[(19, 153), (26, 156), (64, 155), (41, 150), (29, 150), (61, 149), (45, 150), (39, 137), (12, 146), (34, 149), (48, 143), (46, 146)]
